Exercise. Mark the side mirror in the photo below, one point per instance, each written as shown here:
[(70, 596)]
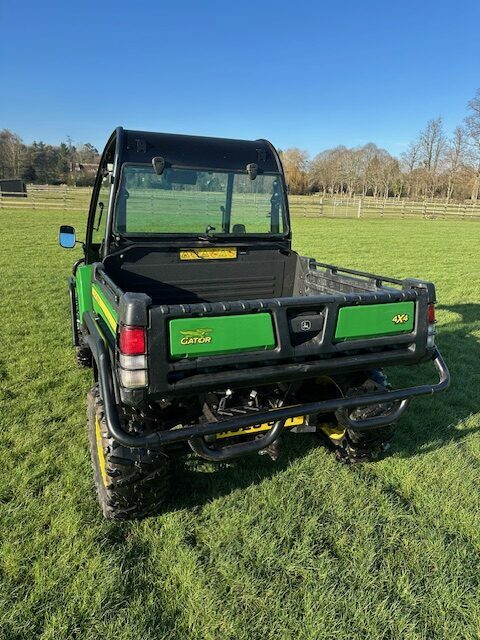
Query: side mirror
[(158, 165), (252, 170), (66, 237)]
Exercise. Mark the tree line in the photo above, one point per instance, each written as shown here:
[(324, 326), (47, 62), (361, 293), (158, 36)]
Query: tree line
[(41, 163), (433, 165)]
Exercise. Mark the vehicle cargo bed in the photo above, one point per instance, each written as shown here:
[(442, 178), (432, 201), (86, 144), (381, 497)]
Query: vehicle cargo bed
[(255, 274)]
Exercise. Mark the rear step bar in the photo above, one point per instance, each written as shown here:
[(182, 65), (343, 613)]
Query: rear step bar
[(193, 434)]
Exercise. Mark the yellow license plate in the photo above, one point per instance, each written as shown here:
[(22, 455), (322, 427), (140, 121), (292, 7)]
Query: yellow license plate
[(225, 253), (256, 428)]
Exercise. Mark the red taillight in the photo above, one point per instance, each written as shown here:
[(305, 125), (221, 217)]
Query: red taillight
[(431, 314), (132, 340)]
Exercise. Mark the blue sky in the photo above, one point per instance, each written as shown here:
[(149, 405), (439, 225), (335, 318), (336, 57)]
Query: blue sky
[(306, 74)]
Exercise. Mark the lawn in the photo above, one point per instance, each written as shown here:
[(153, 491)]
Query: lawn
[(303, 548)]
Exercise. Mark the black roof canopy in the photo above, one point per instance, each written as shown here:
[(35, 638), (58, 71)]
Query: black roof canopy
[(197, 151)]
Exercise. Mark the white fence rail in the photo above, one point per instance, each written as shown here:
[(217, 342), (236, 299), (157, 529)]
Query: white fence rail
[(76, 199), (340, 207), (40, 197)]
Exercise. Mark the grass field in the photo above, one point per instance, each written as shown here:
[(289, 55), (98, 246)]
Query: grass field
[(303, 548)]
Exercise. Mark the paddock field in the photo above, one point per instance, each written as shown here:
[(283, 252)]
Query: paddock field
[(303, 548)]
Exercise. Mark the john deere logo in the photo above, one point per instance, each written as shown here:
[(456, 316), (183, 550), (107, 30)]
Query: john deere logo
[(400, 318), (196, 336)]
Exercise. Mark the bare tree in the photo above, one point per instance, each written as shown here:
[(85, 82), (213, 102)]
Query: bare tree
[(432, 141), (472, 124), (374, 171), (410, 157), (432, 145), (454, 159), (370, 154), (390, 176), (11, 149), (352, 170), (295, 164), (322, 172), (410, 160)]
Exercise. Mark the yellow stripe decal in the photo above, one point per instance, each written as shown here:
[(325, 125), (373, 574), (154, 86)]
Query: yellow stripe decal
[(108, 314), (101, 455)]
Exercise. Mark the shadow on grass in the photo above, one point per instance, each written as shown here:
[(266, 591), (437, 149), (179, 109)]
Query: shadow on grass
[(197, 482), (433, 422), (429, 424)]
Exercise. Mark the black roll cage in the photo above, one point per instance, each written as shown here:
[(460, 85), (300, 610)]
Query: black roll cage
[(111, 143), (118, 152)]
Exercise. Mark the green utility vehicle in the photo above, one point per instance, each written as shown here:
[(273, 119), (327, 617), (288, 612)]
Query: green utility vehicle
[(208, 333)]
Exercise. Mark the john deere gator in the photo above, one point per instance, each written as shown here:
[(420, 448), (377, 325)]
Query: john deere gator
[(208, 334)]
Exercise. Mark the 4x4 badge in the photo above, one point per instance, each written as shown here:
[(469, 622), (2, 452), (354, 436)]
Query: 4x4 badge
[(400, 318), (196, 336)]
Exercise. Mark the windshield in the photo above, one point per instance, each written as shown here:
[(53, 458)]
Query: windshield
[(198, 202)]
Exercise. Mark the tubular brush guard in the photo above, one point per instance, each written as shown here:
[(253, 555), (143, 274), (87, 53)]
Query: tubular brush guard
[(193, 434)]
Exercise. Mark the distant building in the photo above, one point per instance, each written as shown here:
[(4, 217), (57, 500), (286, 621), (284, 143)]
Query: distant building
[(87, 168), (12, 188)]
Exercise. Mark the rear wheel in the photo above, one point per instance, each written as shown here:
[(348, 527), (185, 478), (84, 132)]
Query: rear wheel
[(360, 446), (131, 482), (84, 356)]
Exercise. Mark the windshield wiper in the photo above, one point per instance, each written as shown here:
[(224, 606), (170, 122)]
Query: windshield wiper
[(209, 236)]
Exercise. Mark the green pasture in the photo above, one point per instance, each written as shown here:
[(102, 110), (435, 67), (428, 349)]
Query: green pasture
[(299, 549)]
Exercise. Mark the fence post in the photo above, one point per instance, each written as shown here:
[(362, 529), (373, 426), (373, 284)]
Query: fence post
[(359, 208), (321, 207)]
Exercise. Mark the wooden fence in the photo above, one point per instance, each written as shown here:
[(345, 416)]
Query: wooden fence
[(341, 207), (48, 198), (76, 199)]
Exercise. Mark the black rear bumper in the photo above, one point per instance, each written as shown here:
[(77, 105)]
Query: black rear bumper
[(194, 433)]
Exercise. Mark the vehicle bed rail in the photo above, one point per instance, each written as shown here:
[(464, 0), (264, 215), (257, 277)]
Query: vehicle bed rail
[(354, 272)]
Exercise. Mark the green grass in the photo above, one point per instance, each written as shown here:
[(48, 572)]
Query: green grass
[(304, 548)]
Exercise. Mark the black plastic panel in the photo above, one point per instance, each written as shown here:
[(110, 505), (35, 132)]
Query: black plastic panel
[(160, 273)]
